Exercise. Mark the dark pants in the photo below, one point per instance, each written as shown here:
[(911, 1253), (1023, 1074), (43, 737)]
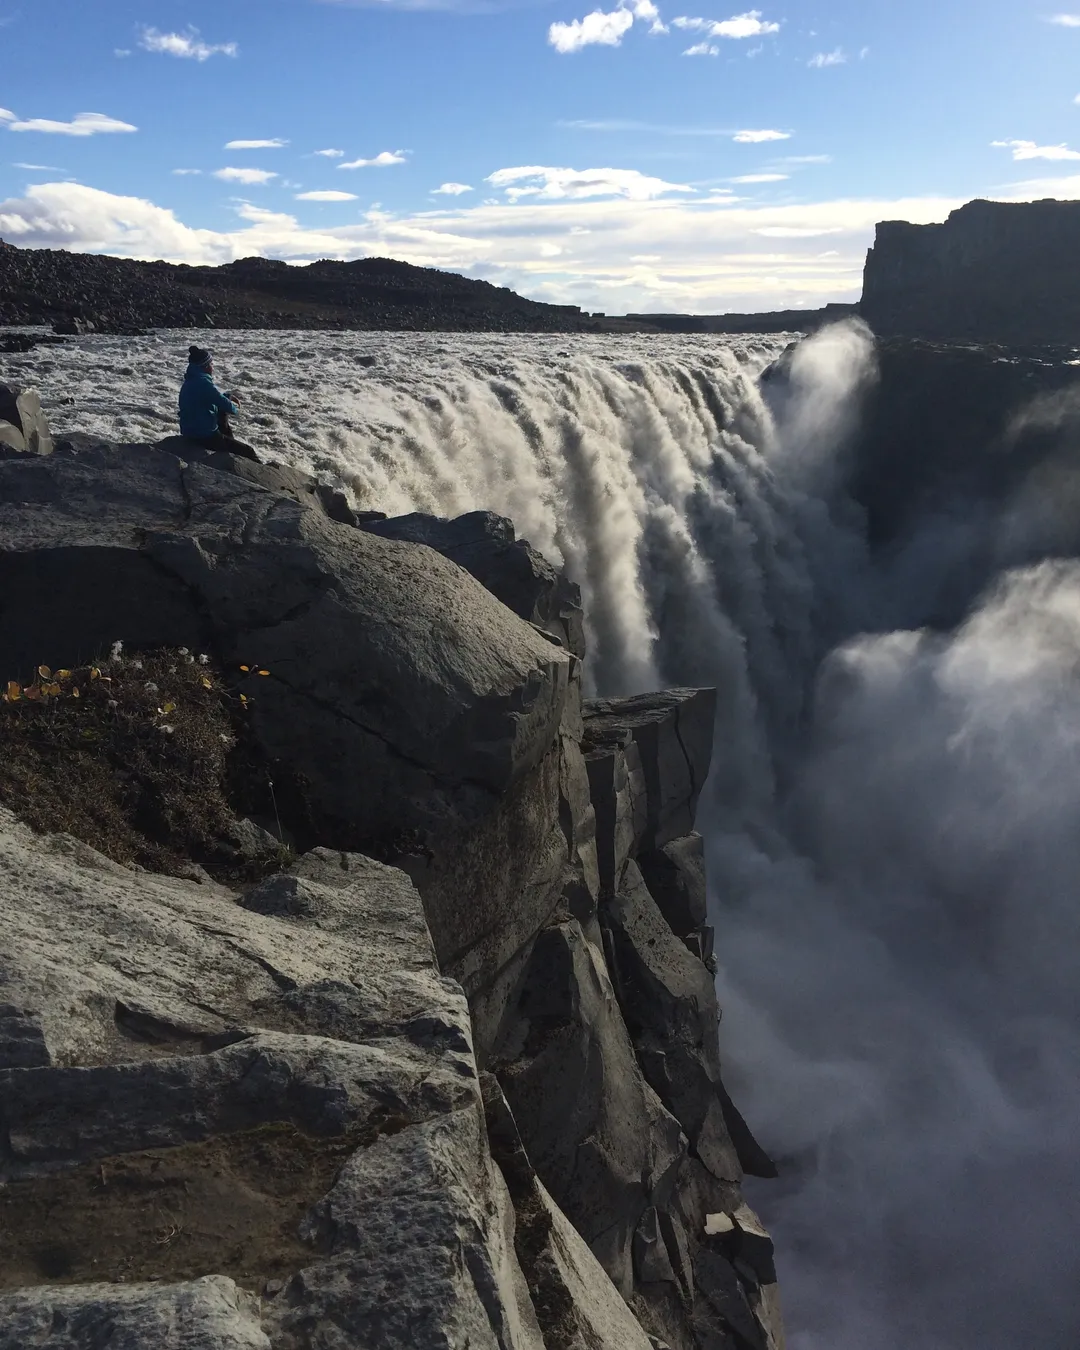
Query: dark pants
[(223, 439)]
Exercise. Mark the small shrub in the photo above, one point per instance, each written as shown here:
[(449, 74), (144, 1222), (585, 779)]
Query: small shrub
[(134, 756)]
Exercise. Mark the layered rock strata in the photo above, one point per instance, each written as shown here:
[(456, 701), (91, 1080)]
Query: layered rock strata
[(1002, 272), (470, 1098)]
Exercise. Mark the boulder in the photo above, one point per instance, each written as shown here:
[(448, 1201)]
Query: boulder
[(268, 1098), (74, 326), (486, 545), (673, 734), (301, 487), (23, 425)]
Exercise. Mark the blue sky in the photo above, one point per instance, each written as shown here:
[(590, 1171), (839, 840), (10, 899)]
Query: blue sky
[(649, 154)]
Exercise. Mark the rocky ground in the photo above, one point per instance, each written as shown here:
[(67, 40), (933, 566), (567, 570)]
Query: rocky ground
[(83, 292), (443, 1073)]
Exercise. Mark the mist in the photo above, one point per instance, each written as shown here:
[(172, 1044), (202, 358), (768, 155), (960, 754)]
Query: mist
[(893, 818)]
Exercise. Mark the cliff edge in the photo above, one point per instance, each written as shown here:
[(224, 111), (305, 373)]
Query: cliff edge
[(413, 1042), (999, 272)]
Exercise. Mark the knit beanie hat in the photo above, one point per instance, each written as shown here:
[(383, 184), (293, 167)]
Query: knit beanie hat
[(198, 356)]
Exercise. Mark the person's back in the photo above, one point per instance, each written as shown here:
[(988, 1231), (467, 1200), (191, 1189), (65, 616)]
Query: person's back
[(204, 409)]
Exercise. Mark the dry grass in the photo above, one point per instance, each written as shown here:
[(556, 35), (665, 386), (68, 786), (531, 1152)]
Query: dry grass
[(135, 756)]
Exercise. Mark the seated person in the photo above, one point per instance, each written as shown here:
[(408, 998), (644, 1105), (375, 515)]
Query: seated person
[(205, 410)]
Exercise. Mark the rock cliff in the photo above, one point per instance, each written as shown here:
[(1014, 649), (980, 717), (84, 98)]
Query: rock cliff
[(447, 1073), (1002, 272)]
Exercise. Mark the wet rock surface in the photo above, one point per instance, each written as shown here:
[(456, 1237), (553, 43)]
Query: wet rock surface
[(465, 1093)]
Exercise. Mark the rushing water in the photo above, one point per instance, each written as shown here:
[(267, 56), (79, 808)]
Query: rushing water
[(894, 816)]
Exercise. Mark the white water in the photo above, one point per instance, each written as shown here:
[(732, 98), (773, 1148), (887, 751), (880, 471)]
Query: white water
[(894, 818)]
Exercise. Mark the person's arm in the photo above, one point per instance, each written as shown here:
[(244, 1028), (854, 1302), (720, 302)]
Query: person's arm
[(224, 404)]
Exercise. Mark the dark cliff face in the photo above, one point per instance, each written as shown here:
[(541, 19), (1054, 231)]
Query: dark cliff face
[(993, 272), (119, 294)]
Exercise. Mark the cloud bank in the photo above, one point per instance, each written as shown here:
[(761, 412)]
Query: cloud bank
[(83, 124)]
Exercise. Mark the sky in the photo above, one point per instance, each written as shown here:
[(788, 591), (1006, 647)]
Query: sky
[(635, 156)]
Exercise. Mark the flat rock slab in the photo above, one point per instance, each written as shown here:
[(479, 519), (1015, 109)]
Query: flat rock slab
[(206, 1314)]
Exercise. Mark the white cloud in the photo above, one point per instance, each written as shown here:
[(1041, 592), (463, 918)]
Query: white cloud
[(804, 159), (249, 176), (256, 145), (381, 160), (331, 154), (38, 168), (330, 196), (796, 231), (702, 49), (451, 189), (1065, 20), (762, 178), (822, 60), (760, 137), (647, 11), (83, 124), (121, 52), (1029, 150), (595, 29), (693, 254), (6, 116), (187, 46), (187, 173), (742, 26), (553, 184)]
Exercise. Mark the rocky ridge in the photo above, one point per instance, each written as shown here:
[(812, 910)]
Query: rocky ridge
[(452, 1078), (84, 293)]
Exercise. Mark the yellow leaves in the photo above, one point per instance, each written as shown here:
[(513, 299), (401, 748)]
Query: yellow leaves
[(246, 670), (44, 672), (14, 692), (262, 672), (95, 674), (207, 683)]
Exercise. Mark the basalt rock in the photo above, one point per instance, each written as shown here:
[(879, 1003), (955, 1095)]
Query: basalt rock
[(672, 733), (302, 487), (1001, 272), (240, 1118), (486, 545)]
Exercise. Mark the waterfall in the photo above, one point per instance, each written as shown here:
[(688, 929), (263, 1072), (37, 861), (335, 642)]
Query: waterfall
[(893, 821)]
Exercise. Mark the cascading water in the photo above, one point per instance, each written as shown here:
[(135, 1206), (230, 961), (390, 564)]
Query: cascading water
[(893, 816)]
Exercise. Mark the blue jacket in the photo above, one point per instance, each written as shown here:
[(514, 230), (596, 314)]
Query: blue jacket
[(201, 404)]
